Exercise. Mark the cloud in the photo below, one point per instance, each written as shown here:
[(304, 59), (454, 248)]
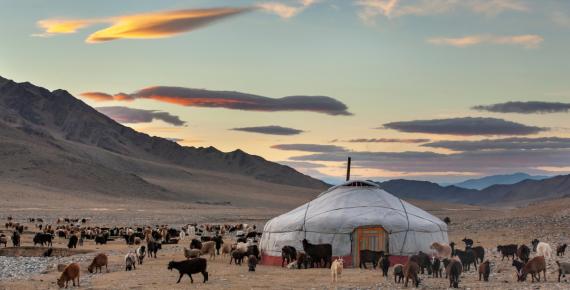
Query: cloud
[(309, 148), (466, 126), (526, 107), (387, 140), (370, 9), (301, 164), (561, 18), (286, 11), (174, 139), (229, 100), (131, 115), (526, 40), (503, 144), (150, 25), (270, 130)]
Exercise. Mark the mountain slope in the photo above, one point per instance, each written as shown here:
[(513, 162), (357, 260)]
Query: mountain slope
[(484, 182), (53, 139)]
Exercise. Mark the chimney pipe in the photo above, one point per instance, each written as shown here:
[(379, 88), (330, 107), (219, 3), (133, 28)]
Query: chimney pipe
[(348, 170)]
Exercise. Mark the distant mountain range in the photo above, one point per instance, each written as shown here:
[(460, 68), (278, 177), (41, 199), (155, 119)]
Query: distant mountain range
[(484, 182), (51, 140), (523, 192)]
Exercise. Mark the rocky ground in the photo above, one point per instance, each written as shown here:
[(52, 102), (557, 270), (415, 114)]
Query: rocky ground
[(549, 221)]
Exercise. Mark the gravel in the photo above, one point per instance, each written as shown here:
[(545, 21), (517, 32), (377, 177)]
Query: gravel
[(17, 268)]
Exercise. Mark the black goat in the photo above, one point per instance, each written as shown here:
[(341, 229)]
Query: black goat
[(101, 239), (479, 253), (385, 265), (534, 244), (189, 267), (237, 256), (454, 270), (288, 254), (195, 244), (253, 250), (43, 239), (508, 251), (251, 263), (152, 247), (436, 267), (423, 260), (468, 242), (368, 256), (72, 242), (467, 258), (303, 260), (523, 253), (561, 250), (318, 253)]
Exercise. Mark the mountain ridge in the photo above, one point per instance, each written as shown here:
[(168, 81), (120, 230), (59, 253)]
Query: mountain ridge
[(487, 181)]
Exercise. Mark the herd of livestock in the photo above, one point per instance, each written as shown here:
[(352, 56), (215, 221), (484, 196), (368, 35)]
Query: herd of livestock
[(240, 242)]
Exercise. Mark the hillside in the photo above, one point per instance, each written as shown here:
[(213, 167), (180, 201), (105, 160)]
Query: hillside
[(484, 182), (53, 140)]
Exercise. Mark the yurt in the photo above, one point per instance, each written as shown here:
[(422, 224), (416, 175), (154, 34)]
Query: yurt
[(354, 216)]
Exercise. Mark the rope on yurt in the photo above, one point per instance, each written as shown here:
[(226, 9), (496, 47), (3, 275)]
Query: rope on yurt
[(305, 221), (408, 220)]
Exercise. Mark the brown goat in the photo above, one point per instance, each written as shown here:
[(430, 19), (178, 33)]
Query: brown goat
[(70, 273), (484, 271), (534, 267), (411, 271), (209, 248), (98, 262)]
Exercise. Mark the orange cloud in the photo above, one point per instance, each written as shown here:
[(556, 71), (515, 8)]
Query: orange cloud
[(142, 26), (526, 40)]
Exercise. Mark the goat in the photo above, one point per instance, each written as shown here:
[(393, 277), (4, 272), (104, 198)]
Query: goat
[(153, 247), (385, 265), (72, 242), (534, 244), (43, 238), (302, 260), (398, 273), (98, 262), (4, 240), (70, 273), (518, 265), (437, 267), (544, 249), (130, 261), (318, 253), (411, 271), (443, 250), (191, 253), (141, 252), (423, 260), (533, 267), (453, 271), (479, 253), (467, 258), (336, 269), (484, 270), (563, 269), (523, 253), (368, 256), (189, 267), (468, 242), (252, 263), (507, 250), (16, 239), (561, 250), (237, 256), (288, 254)]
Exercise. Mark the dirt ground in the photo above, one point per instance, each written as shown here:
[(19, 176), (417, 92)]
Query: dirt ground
[(548, 221)]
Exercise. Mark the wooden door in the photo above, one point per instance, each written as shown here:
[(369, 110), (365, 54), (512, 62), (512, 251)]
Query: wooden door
[(372, 238)]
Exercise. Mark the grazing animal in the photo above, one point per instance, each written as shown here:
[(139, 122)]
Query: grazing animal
[(411, 271), (318, 253), (3, 240), (368, 256), (447, 220), (518, 265), (484, 271), (423, 260), (237, 256), (209, 248), (141, 252), (534, 244), (385, 265), (130, 261), (72, 242), (189, 267), (398, 273), (467, 258), (544, 249), (252, 263), (288, 254), (437, 267), (523, 253), (302, 260), (508, 251), (561, 250), (70, 273), (336, 269), (191, 253), (43, 239), (48, 252), (443, 250), (195, 244), (152, 247), (101, 239), (253, 250), (453, 270), (479, 253), (226, 249), (468, 242), (563, 269), (534, 267), (16, 239), (98, 262)]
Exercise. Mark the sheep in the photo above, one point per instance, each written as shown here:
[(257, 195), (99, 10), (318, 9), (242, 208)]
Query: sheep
[(368, 256), (130, 263), (141, 252), (385, 265), (411, 271), (398, 273), (226, 248), (98, 262), (563, 269), (437, 267), (507, 250), (302, 260), (72, 242), (241, 246), (70, 273), (523, 253), (484, 270), (288, 254), (318, 253), (453, 271), (251, 263), (189, 267), (443, 250), (533, 267), (544, 249), (467, 258), (336, 269), (423, 260), (4, 240), (561, 250), (237, 256), (209, 248), (191, 253)]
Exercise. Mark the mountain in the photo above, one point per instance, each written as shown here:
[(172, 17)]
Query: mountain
[(523, 192), (484, 182), (51, 139)]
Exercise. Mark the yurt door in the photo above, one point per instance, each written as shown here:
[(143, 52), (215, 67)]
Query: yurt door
[(372, 238)]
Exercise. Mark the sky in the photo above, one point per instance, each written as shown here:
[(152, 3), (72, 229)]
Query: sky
[(439, 90)]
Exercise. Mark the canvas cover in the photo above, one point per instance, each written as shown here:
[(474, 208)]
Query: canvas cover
[(336, 213)]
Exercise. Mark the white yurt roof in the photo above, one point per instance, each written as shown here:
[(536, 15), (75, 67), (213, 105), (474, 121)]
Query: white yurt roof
[(343, 208)]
